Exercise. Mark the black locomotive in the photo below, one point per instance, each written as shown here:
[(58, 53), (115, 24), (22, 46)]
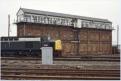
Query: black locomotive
[(28, 46)]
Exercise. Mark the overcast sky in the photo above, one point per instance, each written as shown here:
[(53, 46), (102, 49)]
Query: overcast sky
[(107, 9)]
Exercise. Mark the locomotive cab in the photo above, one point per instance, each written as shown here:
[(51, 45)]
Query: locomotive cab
[(57, 48)]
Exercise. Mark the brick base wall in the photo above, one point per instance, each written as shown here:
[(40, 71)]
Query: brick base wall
[(91, 41)]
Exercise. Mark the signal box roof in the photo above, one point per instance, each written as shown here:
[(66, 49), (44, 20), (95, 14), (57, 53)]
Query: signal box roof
[(32, 11)]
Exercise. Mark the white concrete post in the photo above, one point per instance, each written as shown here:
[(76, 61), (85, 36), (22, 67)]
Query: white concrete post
[(47, 55)]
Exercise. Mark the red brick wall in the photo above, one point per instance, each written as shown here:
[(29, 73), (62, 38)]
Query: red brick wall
[(91, 41)]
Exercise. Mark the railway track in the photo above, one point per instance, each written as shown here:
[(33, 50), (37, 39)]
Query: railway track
[(89, 68), (59, 72), (82, 66), (36, 77), (65, 73), (117, 59)]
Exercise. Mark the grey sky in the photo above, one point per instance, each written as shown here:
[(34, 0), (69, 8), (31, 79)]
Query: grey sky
[(107, 9)]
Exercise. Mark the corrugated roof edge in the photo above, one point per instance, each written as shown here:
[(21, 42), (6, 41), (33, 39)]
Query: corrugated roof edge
[(32, 11)]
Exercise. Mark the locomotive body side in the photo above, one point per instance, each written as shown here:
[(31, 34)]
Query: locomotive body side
[(27, 46), (12, 46)]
